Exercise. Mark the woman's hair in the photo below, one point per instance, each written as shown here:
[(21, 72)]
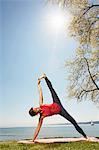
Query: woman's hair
[(32, 112)]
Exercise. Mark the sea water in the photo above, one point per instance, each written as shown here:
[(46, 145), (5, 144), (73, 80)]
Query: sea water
[(19, 133)]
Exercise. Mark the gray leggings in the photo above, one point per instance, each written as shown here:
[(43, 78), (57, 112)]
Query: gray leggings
[(63, 112)]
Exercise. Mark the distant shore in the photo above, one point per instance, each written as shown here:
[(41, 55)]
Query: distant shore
[(88, 122)]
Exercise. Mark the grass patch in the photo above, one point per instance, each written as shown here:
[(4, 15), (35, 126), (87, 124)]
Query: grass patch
[(13, 145)]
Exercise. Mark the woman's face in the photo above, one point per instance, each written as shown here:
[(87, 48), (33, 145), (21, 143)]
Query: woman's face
[(36, 110)]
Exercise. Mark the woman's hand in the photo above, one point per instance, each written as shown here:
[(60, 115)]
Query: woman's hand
[(39, 81)]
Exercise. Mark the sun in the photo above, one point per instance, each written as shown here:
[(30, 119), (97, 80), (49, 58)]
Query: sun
[(57, 20)]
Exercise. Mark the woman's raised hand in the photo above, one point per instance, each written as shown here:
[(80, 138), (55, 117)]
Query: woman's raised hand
[(39, 81)]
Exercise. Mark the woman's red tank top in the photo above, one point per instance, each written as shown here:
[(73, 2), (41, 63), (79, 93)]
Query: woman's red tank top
[(50, 109)]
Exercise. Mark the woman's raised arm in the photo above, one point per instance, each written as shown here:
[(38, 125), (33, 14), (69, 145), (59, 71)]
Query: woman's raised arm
[(40, 93)]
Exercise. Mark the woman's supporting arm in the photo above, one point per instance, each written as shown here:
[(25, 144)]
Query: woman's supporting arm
[(38, 128)]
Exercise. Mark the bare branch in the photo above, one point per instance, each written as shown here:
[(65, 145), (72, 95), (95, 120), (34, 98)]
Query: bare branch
[(91, 75), (87, 9)]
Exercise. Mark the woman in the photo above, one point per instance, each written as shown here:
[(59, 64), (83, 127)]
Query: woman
[(51, 109)]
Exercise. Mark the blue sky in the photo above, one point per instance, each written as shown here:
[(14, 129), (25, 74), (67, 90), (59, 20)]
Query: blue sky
[(29, 48)]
